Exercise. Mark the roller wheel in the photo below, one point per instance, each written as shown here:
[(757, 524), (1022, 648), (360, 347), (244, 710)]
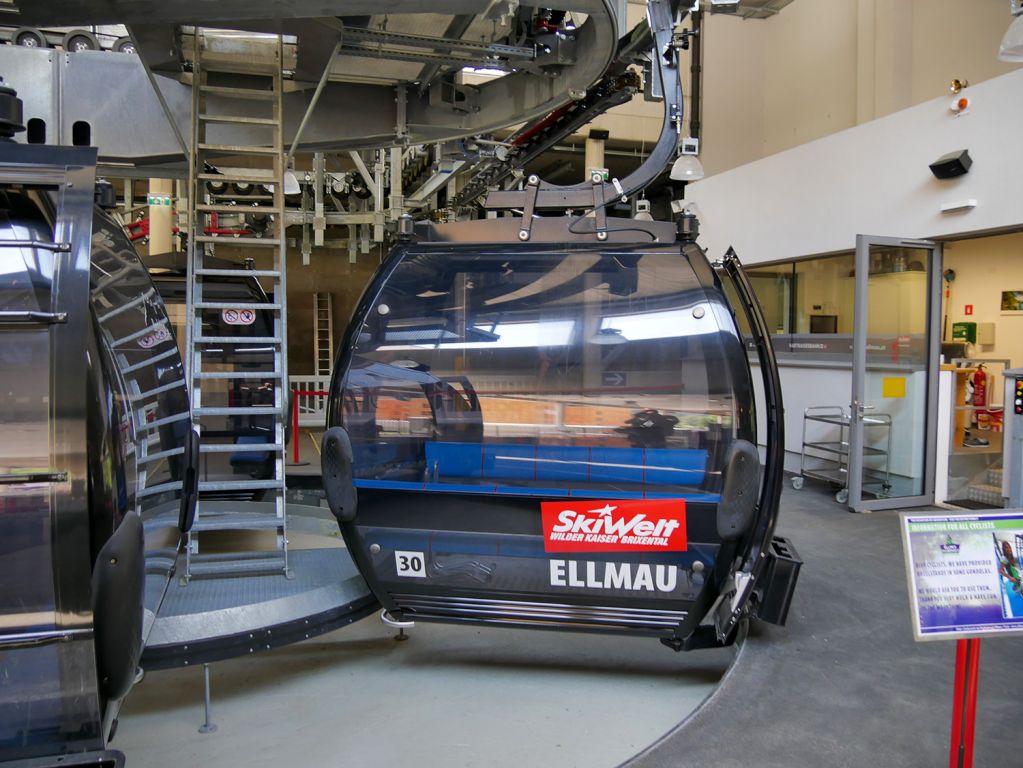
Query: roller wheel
[(78, 40), (842, 496), (29, 37), (797, 482), (123, 45)]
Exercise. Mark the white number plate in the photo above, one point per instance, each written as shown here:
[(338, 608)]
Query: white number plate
[(410, 564)]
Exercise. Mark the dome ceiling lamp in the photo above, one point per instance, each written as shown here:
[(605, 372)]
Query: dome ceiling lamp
[(1011, 49)]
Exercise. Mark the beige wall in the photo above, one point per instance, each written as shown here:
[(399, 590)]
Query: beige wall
[(328, 271), (984, 268), (821, 66)]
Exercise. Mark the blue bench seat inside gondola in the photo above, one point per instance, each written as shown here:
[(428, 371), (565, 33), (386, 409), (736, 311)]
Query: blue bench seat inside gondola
[(561, 470)]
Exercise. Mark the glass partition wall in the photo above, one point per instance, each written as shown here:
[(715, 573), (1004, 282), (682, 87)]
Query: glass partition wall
[(809, 306)]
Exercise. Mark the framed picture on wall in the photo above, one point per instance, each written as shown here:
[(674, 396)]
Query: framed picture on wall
[(1012, 302)]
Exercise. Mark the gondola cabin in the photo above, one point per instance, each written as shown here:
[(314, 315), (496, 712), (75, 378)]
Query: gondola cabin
[(550, 434)]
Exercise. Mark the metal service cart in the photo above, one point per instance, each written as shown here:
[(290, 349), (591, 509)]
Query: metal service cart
[(828, 460)]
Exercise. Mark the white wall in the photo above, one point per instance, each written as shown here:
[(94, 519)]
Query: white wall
[(821, 66), (873, 179)]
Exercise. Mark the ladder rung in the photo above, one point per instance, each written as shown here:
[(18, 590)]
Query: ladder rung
[(139, 334), (240, 448), (241, 119), (238, 93), (161, 455), (255, 175), (222, 208), (230, 375), (156, 391), (226, 564), (150, 361), (237, 340), (241, 305), (112, 278), (232, 240), (162, 488), (163, 422), (238, 150), (238, 485), (240, 410), (140, 299), (237, 521), (238, 272)]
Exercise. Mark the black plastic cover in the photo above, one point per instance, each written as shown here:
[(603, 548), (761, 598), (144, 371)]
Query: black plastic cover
[(739, 491), (337, 474), (118, 584)]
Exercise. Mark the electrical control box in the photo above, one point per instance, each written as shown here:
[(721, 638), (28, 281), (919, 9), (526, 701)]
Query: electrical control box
[(985, 333)]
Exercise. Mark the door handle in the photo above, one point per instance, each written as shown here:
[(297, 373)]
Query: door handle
[(859, 409)]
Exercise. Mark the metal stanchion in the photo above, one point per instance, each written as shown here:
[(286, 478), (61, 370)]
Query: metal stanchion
[(206, 727)]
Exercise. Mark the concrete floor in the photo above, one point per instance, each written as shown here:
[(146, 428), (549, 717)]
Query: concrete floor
[(449, 696)]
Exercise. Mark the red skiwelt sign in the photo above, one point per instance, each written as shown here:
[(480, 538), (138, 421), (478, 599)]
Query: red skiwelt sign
[(586, 525)]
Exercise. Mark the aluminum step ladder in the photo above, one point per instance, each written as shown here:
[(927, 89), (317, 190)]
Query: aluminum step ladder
[(323, 330), (251, 104)]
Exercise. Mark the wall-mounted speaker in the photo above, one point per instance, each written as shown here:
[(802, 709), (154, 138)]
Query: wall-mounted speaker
[(951, 165)]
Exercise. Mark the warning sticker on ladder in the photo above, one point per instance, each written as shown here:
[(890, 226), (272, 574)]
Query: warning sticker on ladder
[(239, 316), (151, 340)]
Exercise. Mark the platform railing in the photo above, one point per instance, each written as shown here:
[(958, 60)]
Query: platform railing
[(307, 400)]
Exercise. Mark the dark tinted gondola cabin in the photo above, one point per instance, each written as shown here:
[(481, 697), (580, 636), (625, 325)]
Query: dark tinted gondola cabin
[(546, 433)]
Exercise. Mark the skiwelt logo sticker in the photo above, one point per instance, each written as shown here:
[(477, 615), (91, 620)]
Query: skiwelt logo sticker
[(584, 525)]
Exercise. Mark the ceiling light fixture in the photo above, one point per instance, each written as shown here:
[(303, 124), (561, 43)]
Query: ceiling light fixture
[(1011, 48), (688, 166), (291, 186)]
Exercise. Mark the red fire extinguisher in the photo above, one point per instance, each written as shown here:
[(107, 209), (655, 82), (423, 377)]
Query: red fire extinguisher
[(980, 386)]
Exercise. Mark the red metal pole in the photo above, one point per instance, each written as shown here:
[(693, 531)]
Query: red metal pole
[(295, 395), (964, 703), (957, 705), (294, 423), (973, 655)]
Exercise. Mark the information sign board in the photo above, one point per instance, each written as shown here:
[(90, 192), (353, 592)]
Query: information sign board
[(965, 574)]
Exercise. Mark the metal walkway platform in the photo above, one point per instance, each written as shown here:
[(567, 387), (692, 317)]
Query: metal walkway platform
[(219, 618)]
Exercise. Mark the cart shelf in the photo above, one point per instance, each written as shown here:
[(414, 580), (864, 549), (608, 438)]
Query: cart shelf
[(833, 446), (828, 460)]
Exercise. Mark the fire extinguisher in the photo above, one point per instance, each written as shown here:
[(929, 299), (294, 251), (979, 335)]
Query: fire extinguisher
[(980, 386)]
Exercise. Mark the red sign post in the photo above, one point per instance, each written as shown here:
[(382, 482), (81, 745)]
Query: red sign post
[(964, 703)]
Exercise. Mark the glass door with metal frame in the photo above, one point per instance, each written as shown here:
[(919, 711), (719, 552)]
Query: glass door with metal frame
[(895, 373)]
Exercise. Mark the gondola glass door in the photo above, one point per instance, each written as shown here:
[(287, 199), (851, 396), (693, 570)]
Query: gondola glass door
[(893, 409)]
